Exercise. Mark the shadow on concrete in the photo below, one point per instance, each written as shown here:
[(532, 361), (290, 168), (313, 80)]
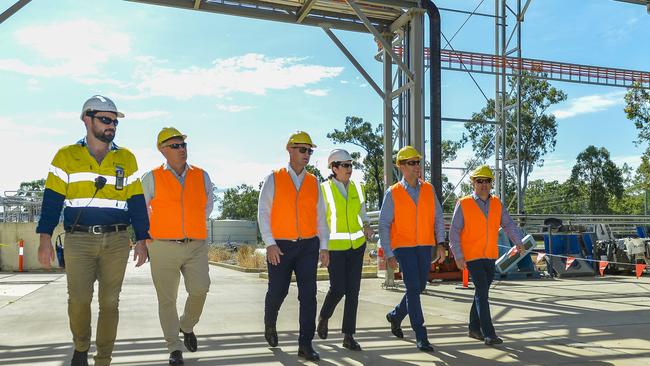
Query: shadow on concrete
[(452, 346)]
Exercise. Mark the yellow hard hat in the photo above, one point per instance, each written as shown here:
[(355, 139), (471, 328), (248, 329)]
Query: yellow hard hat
[(167, 133), (300, 137), (407, 152), (483, 171)]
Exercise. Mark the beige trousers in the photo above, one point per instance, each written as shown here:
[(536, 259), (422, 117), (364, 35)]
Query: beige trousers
[(90, 258), (168, 260)]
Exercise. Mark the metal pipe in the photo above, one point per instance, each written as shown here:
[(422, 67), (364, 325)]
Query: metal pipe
[(13, 9), (435, 103)]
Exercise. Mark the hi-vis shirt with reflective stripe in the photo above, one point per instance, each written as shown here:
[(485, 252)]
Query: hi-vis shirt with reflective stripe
[(73, 173), (346, 227)]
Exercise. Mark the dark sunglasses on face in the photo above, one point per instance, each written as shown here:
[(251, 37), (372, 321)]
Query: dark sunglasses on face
[(107, 120), (343, 165), (304, 149), (413, 162), (177, 146), (481, 181)]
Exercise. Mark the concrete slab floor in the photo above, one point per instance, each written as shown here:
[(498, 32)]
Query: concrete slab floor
[(579, 321)]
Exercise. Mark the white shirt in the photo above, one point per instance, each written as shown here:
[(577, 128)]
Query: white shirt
[(265, 204)]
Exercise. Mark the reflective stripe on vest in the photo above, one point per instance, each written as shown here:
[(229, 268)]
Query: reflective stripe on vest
[(412, 224), (480, 235), (178, 212), (346, 227), (294, 212)]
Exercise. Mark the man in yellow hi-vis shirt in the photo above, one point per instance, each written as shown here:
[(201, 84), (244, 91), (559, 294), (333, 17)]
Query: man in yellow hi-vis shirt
[(97, 183)]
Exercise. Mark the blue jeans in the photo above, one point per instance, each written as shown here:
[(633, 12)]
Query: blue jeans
[(301, 258), (482, 272), (415, 263)]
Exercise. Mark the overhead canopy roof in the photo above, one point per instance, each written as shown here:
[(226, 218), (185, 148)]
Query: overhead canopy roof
[(336, 14)]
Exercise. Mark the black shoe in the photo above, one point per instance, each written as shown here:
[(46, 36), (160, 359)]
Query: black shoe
[(189, 339), (79, 358), (476, 334), (424, 346), (307, 351), (395, 327), (321, 329), (350, 343), (271, 335), (491, 341), (176, 358)]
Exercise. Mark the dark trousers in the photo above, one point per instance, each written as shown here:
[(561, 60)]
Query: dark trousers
[(482, 272), (300, 257), (414, 263), (345, 280)]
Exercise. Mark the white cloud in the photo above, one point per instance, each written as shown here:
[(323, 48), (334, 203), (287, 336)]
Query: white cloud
[(317, 92), (232, 108), (8, 126), (67, 115), (344, 81), (251, 73), (589, 104), (72, 49)]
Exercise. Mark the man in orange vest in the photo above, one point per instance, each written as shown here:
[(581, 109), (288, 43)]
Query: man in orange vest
[(179, 200), (293, 224), (473, 239), (410, 225)]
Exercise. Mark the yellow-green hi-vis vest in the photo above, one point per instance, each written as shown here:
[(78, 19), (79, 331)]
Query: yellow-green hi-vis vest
[(346, 228)]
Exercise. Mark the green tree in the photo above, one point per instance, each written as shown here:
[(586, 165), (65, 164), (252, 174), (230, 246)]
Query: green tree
[(637, 109), (33, 188), (554, 198), (538, 128), (597, 176), (239, 203), (362, 134), (315, 171)]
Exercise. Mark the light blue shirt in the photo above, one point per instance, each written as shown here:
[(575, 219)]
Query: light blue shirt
[(458, 222), (387, 216)]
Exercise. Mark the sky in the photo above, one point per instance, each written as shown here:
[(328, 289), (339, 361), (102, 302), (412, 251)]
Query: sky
[(239, 87)]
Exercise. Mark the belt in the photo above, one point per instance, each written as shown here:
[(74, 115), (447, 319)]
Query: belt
[(97, 229), (180, 241)]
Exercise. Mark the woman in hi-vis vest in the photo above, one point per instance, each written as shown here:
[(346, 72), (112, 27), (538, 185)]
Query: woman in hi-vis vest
[(349, 227), (473, 238)]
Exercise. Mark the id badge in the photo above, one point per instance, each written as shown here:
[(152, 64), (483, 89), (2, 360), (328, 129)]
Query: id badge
[(119, 178)]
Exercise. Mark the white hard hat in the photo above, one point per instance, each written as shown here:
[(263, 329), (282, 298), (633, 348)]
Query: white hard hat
[(99, 103), (338, 155)]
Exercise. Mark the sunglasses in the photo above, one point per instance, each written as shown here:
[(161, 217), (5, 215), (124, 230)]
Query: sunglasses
[(482, 181), (303, 150), (107, 120), (177, 146), (342, 165), (412, 162)]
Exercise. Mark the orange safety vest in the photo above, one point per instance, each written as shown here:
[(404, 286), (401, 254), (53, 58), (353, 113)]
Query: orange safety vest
[(480, 235), (294, 213), (412, 224), (178, 212)]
